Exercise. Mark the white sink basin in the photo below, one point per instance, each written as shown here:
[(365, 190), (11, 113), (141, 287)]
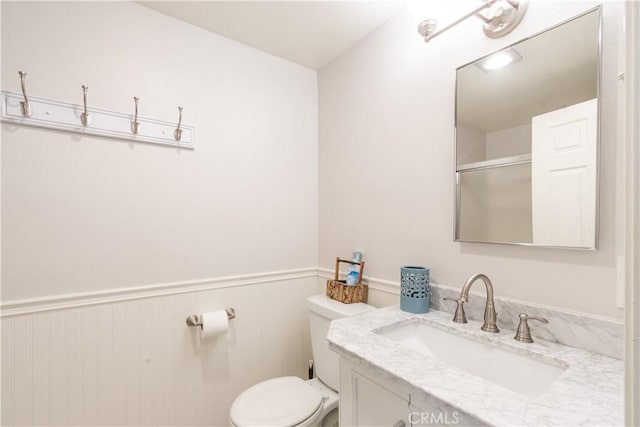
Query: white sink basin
[(513, 371)]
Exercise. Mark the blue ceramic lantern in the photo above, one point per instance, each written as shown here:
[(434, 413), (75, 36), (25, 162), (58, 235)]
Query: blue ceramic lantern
[(414, 289)]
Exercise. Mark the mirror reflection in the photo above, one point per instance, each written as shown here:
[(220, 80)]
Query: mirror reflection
[(527, 140)]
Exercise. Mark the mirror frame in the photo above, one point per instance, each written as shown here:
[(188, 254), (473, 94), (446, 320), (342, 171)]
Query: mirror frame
[(456, 230)]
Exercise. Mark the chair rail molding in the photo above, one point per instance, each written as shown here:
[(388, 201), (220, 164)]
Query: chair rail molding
[(83, 299)]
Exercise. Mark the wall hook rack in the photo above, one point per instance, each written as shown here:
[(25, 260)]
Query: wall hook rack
[(24, 105), (84, 117), (40, 112), (135, 124), (177, 134)]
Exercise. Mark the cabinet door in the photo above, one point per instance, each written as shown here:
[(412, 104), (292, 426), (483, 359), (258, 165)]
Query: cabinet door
[(374, 405)]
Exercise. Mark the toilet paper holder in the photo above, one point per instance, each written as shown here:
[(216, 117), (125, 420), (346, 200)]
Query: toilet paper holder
[(196, 320)]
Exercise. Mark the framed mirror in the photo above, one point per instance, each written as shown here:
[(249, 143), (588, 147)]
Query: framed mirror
[(527, 138)]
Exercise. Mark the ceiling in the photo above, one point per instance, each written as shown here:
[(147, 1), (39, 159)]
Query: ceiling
[(309, 33)]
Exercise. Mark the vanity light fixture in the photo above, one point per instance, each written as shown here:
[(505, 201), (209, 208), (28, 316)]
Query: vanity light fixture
[(499, 60), (500, 17)]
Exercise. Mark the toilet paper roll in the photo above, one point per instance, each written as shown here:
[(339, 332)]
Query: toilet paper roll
[(214, 323)]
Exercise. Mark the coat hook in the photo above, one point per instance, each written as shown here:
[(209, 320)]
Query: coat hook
[(135, 125), (24, 105), (84, 117), (177, 134)]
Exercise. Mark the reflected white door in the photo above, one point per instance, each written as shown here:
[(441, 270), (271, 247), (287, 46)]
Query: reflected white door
[(563, 175)]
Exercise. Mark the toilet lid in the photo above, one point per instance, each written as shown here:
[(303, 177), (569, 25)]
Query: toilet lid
[(281, 402)]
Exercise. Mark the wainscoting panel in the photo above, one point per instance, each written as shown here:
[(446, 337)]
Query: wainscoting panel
[(6, 359), (134, 362)]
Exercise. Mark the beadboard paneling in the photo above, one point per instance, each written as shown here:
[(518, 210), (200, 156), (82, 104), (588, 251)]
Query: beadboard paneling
[(136, 363)]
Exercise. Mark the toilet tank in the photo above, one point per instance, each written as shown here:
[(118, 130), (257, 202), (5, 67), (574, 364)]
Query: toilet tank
[(322, 310)]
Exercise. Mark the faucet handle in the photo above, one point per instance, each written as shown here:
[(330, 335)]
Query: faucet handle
[(459, 316), (523, 333)]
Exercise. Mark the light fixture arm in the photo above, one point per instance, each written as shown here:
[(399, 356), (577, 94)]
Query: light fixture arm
[(500, 23), (486, 19), (431, 34)]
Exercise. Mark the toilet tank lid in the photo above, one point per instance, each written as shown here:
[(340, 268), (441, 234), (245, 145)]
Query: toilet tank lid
[(332, 309)]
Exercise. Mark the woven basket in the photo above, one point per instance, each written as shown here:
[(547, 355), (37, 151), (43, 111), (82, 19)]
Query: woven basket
[(348, 294)]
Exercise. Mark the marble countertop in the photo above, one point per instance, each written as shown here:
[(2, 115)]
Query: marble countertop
[(589, 392)]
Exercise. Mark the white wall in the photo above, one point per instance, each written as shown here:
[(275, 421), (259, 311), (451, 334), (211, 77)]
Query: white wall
[(86, 213), (471, 146), (102, 238), (386, 167), (509, 142)]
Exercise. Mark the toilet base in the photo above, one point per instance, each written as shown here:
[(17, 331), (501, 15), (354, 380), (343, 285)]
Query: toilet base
[(331, 419)]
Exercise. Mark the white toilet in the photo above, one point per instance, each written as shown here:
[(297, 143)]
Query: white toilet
[(291, 401)]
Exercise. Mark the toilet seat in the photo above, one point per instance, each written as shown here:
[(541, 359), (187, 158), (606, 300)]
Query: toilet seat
[(282, 402)]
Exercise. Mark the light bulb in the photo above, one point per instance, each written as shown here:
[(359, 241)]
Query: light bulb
[(499, 60)]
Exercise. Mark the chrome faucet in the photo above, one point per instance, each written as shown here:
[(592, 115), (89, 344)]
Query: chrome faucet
[(489, 308)]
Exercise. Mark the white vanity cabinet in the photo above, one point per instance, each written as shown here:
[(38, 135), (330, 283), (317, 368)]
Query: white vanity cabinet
[(366, 401), (369, 400)]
